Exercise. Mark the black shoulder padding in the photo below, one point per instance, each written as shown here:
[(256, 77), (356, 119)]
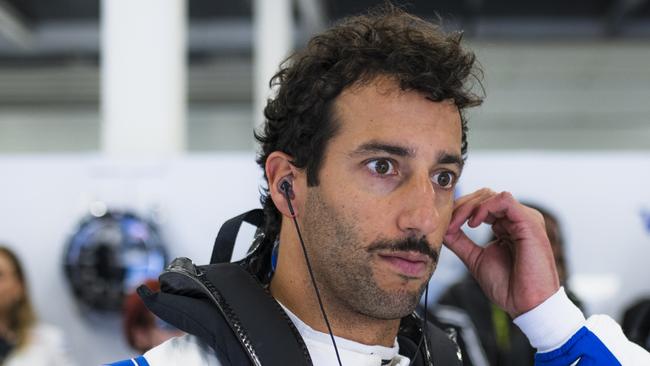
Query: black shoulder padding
[(272, 333), (197, 317), (225, 241), (233, 314)]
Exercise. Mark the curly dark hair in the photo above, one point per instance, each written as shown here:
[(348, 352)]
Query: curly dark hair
[(387, 41)]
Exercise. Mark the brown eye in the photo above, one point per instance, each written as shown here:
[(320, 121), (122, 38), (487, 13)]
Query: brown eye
[(444, 179), (381, 167)]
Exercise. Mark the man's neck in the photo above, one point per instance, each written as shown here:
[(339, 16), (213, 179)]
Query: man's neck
[(292, 286)]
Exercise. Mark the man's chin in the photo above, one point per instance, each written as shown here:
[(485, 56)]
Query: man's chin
[(393, 312), (413, 289), (395, 283), (397, 303)]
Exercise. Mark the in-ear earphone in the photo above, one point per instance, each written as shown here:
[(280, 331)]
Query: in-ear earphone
[(287, 188)]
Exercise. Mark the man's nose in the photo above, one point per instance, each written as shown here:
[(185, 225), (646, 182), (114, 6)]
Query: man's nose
[(418, 215)]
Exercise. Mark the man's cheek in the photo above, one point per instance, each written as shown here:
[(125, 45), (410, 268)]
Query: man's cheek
[(445, 211)]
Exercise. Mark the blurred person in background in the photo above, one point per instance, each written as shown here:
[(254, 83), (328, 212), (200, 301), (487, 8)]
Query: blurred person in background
[(142, 329), (485, 333), (24, 340), (636, 322)]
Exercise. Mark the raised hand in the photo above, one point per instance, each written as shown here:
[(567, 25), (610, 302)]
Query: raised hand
[(516, 271)]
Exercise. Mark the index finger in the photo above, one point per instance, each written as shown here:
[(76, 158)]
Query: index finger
[(465, 207)]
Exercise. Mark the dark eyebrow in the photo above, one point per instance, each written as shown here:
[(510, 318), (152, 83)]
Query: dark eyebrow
[(375, 147), (397, 150), (447, 158)]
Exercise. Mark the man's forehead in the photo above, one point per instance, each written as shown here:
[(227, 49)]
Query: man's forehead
[(360, 96), (381, 110)]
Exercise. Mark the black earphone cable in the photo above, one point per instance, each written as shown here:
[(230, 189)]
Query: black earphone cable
[(285, 188), (424, 327)]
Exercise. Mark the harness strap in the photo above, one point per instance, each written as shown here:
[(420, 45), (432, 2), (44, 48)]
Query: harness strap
[(260, 315), (225, 241)]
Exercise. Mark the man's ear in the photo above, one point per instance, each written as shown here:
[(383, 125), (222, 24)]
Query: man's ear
[(278, 170)]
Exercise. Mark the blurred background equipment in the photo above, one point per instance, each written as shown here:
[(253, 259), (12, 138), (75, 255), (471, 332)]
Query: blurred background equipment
[(109, 256)]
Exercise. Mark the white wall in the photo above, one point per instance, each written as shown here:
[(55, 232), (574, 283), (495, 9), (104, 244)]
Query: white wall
[(599, 198)]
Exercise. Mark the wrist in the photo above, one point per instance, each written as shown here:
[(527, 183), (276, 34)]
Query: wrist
[(551, 323)]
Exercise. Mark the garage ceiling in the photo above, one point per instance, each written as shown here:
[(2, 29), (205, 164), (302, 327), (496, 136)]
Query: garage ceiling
[(49, 49), (51, 29)]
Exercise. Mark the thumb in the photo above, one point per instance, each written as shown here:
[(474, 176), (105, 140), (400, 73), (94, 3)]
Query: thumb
[(464, 247)]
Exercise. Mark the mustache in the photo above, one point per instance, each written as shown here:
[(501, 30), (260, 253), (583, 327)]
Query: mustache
[(419, 245)]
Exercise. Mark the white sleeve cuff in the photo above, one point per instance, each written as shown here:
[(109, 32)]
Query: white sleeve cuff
[(550, 324)]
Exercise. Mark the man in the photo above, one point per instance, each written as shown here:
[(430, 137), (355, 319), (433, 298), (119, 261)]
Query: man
[(363, 145)]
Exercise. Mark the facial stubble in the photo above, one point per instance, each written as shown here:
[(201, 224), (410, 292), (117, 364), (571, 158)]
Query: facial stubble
[(343, 264)]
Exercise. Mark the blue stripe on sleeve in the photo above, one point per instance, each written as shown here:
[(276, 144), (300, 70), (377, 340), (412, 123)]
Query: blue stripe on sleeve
[(583, 346), (141, 361), (121, 363), (138, 361)]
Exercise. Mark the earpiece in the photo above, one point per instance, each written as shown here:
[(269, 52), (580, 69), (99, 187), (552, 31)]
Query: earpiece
[(286, 188)]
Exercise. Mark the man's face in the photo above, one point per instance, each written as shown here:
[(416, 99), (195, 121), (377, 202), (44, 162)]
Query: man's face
[(374, 224)]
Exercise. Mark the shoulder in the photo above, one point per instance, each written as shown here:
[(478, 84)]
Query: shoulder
[(611, 335), (184, 350)]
